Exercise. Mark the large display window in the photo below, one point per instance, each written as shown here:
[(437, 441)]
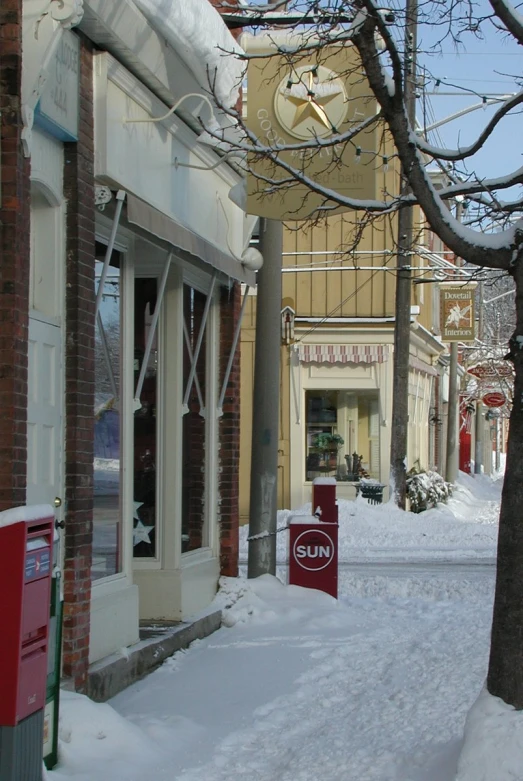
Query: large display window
[(194, 468), (107, 421), (145, 484), (342, 434)]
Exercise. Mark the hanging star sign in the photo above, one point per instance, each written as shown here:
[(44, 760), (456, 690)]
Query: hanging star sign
[(142, 533), (310, 104)]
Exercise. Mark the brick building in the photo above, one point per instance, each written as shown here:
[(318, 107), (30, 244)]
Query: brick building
[(119, 297)]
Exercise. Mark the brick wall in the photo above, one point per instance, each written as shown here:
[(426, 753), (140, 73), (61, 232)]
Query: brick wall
[(229, 434), (79, 381), (14, 263)]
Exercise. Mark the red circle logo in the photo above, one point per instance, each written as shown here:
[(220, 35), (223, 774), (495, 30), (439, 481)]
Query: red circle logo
[(494, 399), (313, 550)]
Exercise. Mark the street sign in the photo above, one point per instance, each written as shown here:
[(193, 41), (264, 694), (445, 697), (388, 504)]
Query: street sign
[(494, 399)]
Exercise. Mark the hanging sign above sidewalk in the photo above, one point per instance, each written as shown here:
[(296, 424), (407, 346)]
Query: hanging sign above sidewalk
[(457, 314), (294, 99), (494, 399)]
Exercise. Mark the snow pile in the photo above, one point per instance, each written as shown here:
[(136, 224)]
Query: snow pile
[(493, 746), (96, 742), (466, 527), (199, 36), (265, 600)]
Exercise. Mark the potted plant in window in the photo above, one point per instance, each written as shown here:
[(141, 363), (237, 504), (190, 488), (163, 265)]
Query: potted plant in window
[(327, 446)]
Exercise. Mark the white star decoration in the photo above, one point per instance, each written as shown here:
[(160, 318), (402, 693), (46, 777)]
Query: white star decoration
[(142, 533), (136, 506)]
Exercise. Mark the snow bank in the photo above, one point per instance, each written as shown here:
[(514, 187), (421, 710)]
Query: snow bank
[(493, 746), (199, 36), (464, 528), (266, 600), (95, 741)]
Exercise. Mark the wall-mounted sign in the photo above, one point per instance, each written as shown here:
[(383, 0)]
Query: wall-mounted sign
[(57, 110), (494, 399), (457, 314), (292, 99)]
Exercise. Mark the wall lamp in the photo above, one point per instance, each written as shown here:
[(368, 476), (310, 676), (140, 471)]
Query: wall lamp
[(251, 258)]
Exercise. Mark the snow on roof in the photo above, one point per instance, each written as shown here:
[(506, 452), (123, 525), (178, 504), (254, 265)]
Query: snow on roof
[(199, 36)]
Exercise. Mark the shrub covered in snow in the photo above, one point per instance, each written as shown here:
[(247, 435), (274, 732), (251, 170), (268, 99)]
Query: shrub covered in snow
[(426, 490)]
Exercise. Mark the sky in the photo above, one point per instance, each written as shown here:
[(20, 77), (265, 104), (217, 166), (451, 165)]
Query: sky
[(485, 67), (385, 684)]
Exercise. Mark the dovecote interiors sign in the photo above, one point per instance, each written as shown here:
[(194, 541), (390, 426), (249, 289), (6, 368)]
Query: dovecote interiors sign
[(457, 314), (293, 99)]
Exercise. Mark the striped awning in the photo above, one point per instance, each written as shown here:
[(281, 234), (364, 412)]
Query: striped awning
[(343, 353)]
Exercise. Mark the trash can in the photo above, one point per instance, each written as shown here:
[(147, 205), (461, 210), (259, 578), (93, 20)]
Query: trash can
[(373, 492), (54, 662)]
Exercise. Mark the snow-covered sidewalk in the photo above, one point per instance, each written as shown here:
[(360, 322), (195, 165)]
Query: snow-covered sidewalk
[(299, 687)]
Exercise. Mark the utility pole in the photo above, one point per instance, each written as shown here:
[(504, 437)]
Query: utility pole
[(400, 384), (266, 405), (263, 506), (451, 471), (452, 462), (478, 448)]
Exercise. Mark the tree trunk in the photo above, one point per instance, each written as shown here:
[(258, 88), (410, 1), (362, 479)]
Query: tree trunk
[(505, 675)]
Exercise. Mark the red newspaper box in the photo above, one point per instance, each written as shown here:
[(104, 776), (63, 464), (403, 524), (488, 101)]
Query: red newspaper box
[(324, 504), (26, 552), (313, 554), (313, 541)]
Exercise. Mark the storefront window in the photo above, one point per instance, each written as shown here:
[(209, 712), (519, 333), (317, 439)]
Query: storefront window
[(194, 427), (145, 422), (107, 424), (342, 434)]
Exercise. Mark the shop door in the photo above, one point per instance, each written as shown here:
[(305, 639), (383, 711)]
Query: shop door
[(44, 414)]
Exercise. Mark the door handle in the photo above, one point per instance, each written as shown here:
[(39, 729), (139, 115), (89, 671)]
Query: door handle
[(57, 501)]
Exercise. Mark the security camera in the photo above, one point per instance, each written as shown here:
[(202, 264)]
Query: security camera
[(387, 16)]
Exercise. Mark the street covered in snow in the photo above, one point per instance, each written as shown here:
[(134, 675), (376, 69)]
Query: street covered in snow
[(296, 686)]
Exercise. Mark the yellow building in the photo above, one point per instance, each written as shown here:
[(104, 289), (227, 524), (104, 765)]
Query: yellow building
[(336, 360), (338, 301)]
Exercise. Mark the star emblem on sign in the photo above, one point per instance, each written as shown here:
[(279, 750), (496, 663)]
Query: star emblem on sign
[(311, 101), (310, 105)]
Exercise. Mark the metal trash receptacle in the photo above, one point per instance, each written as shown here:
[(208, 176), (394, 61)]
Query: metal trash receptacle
[(373, 492)]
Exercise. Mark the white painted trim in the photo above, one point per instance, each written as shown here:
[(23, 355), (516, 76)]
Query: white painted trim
[(211, 536), (196, 556)]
